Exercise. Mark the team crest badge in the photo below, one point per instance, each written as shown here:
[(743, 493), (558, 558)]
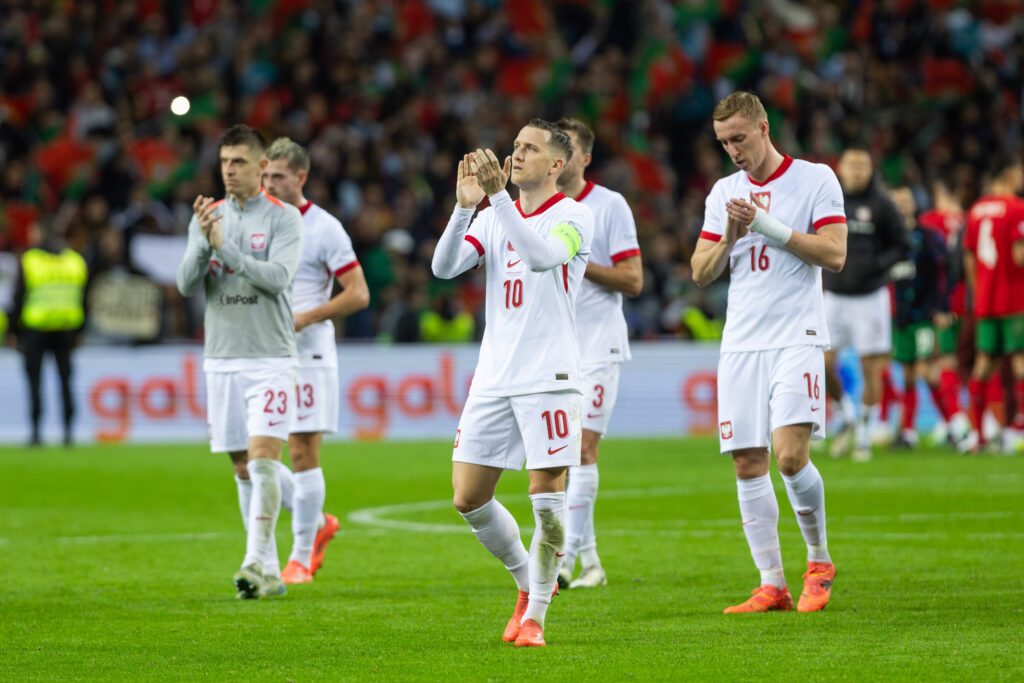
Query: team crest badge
[(765, 198), (726, 429), (259, 241)]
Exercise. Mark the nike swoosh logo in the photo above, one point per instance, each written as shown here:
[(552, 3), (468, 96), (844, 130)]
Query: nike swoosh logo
[(303, 417), (552, 452), (559, 554), (749, 521), (814, 410), (513, 263), (274, 424), (804, 514), (594, 414)]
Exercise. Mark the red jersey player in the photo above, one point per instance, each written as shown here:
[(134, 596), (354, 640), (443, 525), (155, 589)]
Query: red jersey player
[(994, 261)]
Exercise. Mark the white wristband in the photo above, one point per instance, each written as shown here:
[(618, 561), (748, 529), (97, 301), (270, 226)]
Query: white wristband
[(771, 227)]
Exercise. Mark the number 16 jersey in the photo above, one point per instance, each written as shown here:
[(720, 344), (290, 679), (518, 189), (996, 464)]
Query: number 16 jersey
[(775, 297), (530, 343)]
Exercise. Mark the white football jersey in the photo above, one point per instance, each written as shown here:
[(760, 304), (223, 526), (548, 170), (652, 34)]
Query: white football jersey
[(604, 336), (775, 297), (326, 254), (530, 343)]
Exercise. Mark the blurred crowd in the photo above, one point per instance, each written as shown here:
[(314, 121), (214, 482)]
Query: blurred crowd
[(387, 96)]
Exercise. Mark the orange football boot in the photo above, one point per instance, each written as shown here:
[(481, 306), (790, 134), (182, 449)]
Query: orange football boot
[(530, 635), (766, 598), (323, 537), (817, 586), (512, 628), (294, 572)]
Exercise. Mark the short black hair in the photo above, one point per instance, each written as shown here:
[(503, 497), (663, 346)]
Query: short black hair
[(559, 139), (1002, 161), (241, 134)]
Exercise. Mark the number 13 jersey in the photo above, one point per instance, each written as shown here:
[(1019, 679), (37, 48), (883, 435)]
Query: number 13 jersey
[(775, 297), (530, 343)]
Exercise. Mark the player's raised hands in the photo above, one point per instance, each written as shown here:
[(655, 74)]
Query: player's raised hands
[(492, 175), (209, 220), (468, 192)]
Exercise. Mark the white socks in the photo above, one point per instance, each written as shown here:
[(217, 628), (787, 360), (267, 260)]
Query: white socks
[(310, 493), (287, 486), (546, 552), (496, 529), (580, 496), (263, 511), (806, 493), (760, 515)]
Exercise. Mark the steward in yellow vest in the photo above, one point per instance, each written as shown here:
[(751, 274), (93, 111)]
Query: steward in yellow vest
[(49, 311)]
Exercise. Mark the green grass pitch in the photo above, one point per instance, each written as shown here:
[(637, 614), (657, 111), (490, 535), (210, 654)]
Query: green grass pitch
[(117, 565)]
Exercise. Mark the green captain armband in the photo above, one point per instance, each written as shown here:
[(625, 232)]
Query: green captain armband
[(570, 235)]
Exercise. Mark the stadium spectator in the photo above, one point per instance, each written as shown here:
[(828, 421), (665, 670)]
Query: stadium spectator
[(326, 255), (244, 250), (381, 102), (857, 300), (524, 404), (614, 269), (48, 314), (772, 362)]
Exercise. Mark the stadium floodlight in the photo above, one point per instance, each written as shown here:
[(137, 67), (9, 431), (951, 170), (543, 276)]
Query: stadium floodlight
[(180, 105)]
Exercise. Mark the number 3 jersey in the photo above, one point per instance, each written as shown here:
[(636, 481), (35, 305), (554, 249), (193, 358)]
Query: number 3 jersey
[(993, 225), (530, 343), (775, 297)]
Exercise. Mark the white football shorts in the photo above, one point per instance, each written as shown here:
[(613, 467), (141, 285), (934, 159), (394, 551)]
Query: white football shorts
[(600, 385), (760, 391), (863, 321), (316, 400), (539, 430), (247, 403)]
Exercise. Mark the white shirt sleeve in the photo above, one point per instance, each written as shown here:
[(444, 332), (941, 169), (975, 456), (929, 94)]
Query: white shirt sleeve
[(539, 252), (714, 215), (457, 250), (828, 204), (336, 250), (621, 233)]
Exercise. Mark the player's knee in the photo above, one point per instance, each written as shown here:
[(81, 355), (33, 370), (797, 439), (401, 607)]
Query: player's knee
[(465, 504), (791, 460)]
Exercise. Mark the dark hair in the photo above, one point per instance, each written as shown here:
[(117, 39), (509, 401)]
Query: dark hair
[(1002, 161), (241, 134), (584, 134), (558, 139)]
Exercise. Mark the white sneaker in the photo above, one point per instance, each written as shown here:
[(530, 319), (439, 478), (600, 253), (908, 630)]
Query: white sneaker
[(1013, 441), (249, 581), (841, 443), (959, 427), (590, 577), (939, 434), (990, 427), (968, 444), (861, 453), (564, 576), (882, 434), (272, 586)]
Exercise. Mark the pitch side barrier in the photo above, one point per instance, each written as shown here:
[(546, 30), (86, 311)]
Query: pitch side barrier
[(158, 393)]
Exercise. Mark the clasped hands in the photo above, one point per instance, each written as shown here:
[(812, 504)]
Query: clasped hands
[(480, 173), (209, 221)]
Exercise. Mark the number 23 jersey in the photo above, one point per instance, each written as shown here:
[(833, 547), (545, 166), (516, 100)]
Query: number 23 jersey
[(775, 297), (530, 343)]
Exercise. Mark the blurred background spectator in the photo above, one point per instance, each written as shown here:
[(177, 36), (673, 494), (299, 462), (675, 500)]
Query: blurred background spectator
[(387, 95)]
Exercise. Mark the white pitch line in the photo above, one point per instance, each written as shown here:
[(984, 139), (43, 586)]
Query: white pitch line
[(189, 537)]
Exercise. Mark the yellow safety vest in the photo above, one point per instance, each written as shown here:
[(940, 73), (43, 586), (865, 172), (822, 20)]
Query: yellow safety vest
[(54, 284)]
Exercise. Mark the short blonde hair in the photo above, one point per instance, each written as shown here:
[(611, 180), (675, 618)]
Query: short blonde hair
[(293, 152), (740, 102)]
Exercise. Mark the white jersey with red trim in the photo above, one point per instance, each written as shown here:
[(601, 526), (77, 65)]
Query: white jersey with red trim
[(775, 297), (326, 254), (604, 337), (530, 343)]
